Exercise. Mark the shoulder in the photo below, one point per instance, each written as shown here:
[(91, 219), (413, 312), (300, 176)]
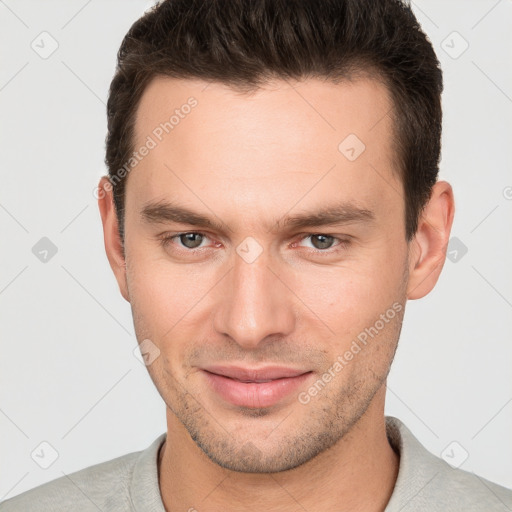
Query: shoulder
[(84, 490), (469, 490), (428, 483), (104, 486)]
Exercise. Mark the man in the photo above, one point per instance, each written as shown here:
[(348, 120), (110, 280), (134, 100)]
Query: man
[(271, 205)]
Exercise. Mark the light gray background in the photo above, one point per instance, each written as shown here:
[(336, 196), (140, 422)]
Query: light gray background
[(68, 373)]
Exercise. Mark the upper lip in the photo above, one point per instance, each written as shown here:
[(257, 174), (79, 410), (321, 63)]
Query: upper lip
[(263, 374)]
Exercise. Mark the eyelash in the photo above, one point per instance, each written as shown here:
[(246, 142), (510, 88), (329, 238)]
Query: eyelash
[(167, 239)]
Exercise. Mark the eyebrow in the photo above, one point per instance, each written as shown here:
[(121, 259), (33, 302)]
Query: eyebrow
[(165, 212)]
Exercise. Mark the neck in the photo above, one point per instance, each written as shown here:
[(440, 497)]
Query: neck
[(357, 473)]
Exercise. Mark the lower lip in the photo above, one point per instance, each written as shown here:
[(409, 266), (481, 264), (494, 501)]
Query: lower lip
[(254, 394)]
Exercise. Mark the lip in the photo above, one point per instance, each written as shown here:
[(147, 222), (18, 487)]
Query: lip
[(254, 387)]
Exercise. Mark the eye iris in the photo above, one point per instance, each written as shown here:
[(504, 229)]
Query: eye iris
[(195, 240), (325, 241)]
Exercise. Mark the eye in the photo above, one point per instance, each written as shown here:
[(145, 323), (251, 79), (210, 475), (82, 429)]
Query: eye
[(322, 243), (190, 240)]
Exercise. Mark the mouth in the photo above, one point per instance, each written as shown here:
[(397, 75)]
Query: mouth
[(254, 387)]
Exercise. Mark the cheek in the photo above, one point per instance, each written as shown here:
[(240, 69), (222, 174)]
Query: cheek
[(164, 295), (346, 299)]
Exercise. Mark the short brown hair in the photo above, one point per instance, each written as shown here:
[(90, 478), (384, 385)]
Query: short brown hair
[(244, 43)]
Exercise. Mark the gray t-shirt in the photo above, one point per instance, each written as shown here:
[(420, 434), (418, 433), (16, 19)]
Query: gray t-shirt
[(130, 483)]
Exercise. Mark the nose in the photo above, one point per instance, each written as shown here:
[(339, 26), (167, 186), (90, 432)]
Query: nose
[(254, 304)]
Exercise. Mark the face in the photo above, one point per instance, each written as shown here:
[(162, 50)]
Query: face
[(276, 308)]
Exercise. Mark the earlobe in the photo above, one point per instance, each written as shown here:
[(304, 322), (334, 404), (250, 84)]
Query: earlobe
[(111, 238), (428, 247)]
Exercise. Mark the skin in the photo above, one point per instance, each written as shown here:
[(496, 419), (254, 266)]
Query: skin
[(248, 160)]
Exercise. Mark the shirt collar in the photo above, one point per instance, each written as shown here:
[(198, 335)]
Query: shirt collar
[(417, 467), (144, 489)]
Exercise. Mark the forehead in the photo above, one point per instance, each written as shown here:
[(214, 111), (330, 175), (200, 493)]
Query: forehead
[(311, 109), (286, 140)]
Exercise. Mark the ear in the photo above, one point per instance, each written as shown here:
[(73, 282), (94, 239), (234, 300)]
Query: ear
[(428, 247), (113, 245)]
